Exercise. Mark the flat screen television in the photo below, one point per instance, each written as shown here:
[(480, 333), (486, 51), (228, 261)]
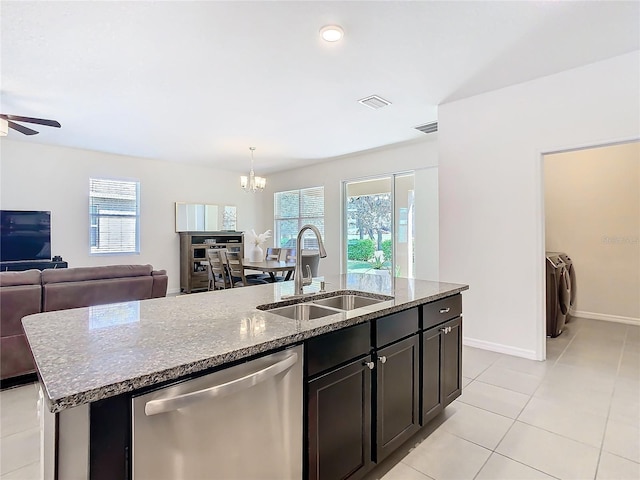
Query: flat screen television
[(25, 235)]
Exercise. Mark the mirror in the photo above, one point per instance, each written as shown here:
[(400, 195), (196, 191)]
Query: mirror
[(229, 218), (196, 217)]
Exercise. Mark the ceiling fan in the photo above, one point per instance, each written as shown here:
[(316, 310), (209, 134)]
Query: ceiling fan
[(9, 121)]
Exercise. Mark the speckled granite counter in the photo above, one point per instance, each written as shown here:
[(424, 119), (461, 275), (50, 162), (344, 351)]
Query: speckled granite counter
[(88, 354)]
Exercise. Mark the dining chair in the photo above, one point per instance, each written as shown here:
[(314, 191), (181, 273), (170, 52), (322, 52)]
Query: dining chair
[(218, 275), (273, 253), (310, 258), (236, 270), (288, 255)]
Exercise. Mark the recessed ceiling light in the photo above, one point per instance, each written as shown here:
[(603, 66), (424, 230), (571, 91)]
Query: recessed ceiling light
[(331, 33)]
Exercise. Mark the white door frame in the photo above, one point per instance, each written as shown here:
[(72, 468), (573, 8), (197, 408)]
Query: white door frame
[(541, 328)]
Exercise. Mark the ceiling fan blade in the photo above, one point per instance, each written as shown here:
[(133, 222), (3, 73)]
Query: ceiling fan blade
[(39, 121), (21, 128)]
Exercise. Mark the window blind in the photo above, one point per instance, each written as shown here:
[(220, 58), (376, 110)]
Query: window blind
[(295, 208), (114, 214)]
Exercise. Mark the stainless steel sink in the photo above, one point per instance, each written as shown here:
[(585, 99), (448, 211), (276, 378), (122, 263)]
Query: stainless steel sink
[(347, 302), (310, 308), (304, 311)]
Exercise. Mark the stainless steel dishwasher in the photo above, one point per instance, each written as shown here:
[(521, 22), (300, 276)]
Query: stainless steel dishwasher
[(243, 422)]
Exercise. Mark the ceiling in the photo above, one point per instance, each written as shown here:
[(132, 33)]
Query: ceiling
[(201, 82)]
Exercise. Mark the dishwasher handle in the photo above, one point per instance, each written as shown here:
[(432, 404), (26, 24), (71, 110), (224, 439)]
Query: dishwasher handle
[(155, 407)]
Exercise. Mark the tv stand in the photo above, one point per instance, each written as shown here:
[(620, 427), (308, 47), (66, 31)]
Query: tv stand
[(20, 265)]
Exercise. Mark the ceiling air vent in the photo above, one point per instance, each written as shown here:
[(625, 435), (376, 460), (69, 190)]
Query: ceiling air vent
[(428, 127), (374, 102)]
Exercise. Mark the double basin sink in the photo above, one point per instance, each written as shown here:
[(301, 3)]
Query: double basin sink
[(311, 309)]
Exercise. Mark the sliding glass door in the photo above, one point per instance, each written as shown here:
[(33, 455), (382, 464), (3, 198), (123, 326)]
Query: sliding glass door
[(404, 225), (379, 225)]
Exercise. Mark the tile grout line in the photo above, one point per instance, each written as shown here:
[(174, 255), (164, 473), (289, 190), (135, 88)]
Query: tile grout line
[(414, 469), (528, 466), (615, 385), (4, 475), (555, 364), (515, 420)]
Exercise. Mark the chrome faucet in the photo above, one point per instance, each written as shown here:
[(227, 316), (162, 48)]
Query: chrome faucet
[(299, 278)]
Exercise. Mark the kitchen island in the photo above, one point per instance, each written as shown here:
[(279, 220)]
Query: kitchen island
[(91, 361)]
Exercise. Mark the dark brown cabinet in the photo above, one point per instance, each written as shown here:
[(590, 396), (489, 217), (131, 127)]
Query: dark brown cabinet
[(370, 387), (360, 412), (339, 422), (431, 368), (441, 354), (451, 360), (193, 255), (397, 395)]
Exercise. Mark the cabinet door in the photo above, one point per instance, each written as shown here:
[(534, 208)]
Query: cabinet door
[(431, 369), (339, 423), (397, 395), (452, 361)]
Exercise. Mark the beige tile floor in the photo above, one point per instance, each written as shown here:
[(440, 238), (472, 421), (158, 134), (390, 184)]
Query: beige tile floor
[(575, 416)]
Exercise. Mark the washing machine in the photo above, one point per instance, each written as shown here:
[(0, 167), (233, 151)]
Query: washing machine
[(572, 280), (558, 294)]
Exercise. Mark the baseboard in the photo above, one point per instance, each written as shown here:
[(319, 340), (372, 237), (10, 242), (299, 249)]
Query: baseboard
[(500, 348), (172, 292), (606, 318), (18, 381)]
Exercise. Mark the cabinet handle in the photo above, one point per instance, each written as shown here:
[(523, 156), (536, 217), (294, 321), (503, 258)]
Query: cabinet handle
[(382, 359), (444, 330), (445, 310), (369, 364)]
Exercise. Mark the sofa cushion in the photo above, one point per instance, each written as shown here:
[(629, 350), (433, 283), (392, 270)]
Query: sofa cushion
[(86, 293), (54, 275), (26, 277), (160, 283), (15, 357), (15, 303)]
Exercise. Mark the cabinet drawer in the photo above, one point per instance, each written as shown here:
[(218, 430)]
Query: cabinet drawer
[(199, 281), (334, 348), (396, 326), (441, 310)]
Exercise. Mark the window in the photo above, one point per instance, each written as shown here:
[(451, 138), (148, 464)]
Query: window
[(114, 215), (292, 210)]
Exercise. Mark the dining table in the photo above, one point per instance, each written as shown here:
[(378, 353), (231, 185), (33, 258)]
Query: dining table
[(270, 267)]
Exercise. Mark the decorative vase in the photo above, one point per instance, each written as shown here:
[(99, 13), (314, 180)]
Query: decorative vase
[(256, 254)]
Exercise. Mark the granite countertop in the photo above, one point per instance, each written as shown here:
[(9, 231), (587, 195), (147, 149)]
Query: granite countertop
[(88, 354)]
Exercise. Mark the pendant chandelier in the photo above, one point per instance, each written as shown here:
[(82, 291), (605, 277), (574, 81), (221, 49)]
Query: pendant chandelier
[(252, 183)]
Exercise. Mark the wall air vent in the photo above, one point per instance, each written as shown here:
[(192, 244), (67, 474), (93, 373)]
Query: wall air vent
[(428, 127), (374, 101)]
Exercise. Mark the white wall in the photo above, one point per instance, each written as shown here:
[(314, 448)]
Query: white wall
[(415, 155), (40, 177), (592, 212), (491, 193)]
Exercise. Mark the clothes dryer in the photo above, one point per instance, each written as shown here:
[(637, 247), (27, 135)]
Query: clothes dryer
[(558, 294)]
